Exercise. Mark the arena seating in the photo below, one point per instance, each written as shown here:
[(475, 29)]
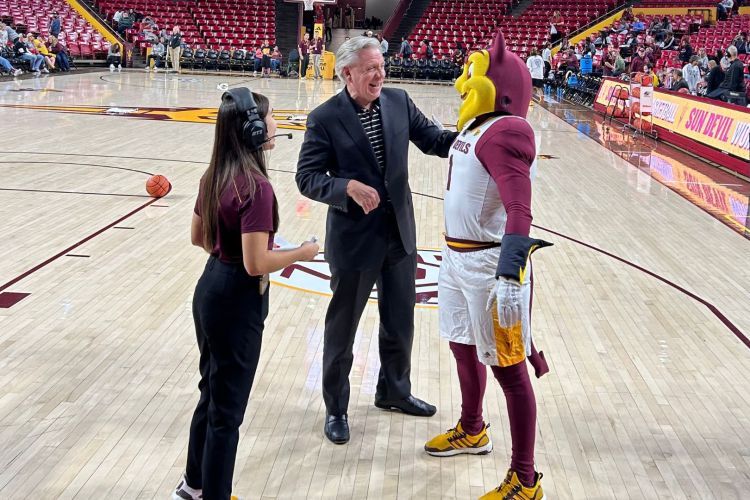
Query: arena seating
[(472, 23), (33, 16), (219, 24), (720, 36)]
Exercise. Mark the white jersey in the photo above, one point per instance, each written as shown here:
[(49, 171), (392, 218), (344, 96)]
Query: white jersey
[(473, 208)]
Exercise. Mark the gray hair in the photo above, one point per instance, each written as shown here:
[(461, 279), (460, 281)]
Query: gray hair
[(348, 53), (732, 50)]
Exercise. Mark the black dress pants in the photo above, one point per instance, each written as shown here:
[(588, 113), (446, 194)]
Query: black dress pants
[(396, 299), (228, 310)]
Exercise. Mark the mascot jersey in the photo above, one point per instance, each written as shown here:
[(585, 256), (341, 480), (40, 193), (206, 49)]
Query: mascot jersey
[(489, 170)]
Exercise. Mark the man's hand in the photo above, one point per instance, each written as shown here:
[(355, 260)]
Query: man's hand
[(365, 196)]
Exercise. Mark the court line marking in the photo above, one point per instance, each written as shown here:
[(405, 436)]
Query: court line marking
[(54, 191)]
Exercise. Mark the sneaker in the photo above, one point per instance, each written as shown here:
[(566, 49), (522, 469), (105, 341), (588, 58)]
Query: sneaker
[(147, 69), (184, 492), (111, 68), (37, 73), (512, 489), (17, 72), (119, 67), (456, 441), (45, 70)]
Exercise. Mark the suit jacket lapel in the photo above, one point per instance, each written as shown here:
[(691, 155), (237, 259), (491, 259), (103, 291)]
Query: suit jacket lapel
[(386, 113), (353, 127)]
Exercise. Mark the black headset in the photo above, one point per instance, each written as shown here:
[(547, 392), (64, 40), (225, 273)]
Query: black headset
[(254, 127)]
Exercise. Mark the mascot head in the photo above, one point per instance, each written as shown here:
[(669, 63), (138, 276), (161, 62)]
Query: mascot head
[(493, 80)]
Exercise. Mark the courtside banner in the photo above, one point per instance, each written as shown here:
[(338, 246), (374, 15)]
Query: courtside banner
[(721, 127)]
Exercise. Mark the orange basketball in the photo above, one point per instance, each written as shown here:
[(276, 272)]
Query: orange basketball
[(615, 111), (638, 77), (636, 92), (642, 125), (621, 94), (158, 186)]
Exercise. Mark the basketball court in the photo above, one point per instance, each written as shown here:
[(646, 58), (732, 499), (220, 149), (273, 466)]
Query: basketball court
[(641, 306)]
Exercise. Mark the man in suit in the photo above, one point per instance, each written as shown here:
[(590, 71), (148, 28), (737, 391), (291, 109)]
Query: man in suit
[(355, 159)]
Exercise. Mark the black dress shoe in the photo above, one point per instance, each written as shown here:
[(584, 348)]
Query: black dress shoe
[(336, 428), (409, 405)]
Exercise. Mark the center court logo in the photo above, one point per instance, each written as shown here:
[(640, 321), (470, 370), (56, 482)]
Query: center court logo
[(315, 277)]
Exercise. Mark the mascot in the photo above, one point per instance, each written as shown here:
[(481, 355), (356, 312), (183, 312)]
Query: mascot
[(485, 276)]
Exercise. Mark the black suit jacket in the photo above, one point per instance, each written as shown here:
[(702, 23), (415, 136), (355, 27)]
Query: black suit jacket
[(336, 150)]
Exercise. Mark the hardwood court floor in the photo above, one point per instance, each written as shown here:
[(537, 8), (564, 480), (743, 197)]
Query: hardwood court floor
[(649, 394)]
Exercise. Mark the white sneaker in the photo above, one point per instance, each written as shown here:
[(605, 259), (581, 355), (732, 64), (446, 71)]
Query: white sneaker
[(147, 69), (156, 69), (111, 68), (17, 72), (119, 67), (45, 70), (37, 73), (184, 492)]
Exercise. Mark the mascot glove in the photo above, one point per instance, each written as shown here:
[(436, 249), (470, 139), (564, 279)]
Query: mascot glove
[(507, 293)]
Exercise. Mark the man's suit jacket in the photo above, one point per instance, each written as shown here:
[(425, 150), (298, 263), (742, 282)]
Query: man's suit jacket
[(336, 150)]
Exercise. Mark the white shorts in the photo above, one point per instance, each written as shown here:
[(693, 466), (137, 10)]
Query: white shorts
[(465, 283)]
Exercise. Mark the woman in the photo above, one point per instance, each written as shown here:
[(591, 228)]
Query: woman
[(114, 57), (234, 220), (265, 51), (41, 49), (555, 26), (61, 55)]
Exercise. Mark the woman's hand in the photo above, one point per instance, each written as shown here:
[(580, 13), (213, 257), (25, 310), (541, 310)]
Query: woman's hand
[(310, 249)]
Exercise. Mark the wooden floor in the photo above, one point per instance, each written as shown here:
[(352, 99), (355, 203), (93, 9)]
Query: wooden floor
[(649, 394)]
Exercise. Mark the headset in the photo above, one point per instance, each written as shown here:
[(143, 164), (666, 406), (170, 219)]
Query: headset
[(253, 127)]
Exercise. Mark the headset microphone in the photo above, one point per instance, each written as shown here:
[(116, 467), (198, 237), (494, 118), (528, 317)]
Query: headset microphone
[(288, 136)]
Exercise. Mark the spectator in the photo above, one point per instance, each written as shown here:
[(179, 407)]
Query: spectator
[(405, 50), (614, 64), (638, 26), (649, 70), (668, 42), (41, 49), (276, 59), (329, 29), (733, 78), (570, 62), (725, 61), (117, 17), (304, 55), (692, 74), (35, 60), (723, 9), (678, 82), (535, 63), (627, 14), (60, 52), (555, 26), (740, 41), (174, 48), (114, 57), (639, 59), (430, 50), (316, 50), (266, 50), (714, 77), (547, 58), (10, 34), (383, 45), (8, 67), (54, 25), (157, 55), (458, 63), (564, 44), (703, 60), (125, 23), (686, 50)]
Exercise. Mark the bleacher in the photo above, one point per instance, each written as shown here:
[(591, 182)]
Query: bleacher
[(218, 24), (33, 16), (475, 22)]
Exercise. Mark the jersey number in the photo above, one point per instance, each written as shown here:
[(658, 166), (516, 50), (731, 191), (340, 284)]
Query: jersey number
[(450, 171)]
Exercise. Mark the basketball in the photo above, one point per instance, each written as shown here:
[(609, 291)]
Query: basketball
[(637, 92), (642, 125), (158, 186), (615, 111), (621, 94)]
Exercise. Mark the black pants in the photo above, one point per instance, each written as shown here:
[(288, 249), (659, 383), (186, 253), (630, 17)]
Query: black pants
[(396, 298), (305, 62), (329, 34), (114, 60), (228, 311)]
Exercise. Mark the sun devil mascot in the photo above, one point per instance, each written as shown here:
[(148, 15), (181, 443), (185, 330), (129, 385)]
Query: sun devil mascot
[(485, 276)]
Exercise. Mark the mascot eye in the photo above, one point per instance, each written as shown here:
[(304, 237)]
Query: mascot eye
[(470, 71)]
